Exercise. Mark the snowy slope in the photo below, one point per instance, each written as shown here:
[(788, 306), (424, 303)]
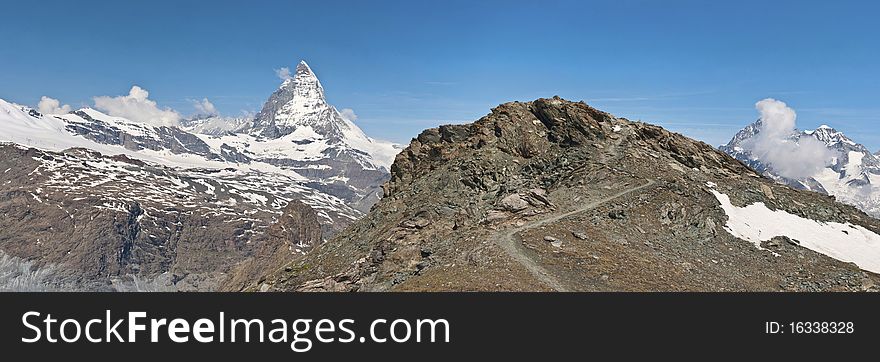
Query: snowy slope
[(204, 173), (845, 242), (297, 135), (215, 125), (24, 126), (81, 172)]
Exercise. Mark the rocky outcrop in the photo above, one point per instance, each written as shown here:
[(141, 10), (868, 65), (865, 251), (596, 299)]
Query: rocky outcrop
[(296, 231)]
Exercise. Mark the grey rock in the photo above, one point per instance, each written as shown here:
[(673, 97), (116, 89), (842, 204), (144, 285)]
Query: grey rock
[(618, 214), (540, 195), (494, 215), (514, 203)]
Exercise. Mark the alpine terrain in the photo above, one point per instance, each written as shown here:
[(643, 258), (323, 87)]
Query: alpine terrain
[(552, 195), (851, 175), (91, 201)]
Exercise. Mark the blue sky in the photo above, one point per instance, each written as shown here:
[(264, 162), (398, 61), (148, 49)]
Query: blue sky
[(696, 67)]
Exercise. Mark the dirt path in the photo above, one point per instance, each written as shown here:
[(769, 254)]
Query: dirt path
[(507, 239)]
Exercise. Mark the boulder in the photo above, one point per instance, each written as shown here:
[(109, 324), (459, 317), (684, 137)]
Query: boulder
[(514, 203)]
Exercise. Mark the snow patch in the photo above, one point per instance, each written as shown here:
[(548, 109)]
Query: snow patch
[(854, 166), (756, 223)]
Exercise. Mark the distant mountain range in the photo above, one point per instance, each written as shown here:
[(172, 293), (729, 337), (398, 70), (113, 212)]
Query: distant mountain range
[(235, 171), (852, 175), (547, 195)]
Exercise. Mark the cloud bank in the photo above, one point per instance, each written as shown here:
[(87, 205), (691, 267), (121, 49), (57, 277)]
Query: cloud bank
[(205, 106), (348, 114), (283, 73), (52, 106), (136, 106), (780, 147)]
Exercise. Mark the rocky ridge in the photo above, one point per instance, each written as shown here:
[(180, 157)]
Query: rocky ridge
[(556, 195)]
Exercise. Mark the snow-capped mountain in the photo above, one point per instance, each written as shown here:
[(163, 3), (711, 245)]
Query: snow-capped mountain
[(181, 154), (91, 129), (299, 108), (298, 129), (297, 134), (181, 205), (853, 175)]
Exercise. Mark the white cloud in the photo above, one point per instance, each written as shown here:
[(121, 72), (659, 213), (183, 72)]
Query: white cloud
[(205, 106), (283, 73), (348, 114), (52, 106), (778, 145), (136, 106)]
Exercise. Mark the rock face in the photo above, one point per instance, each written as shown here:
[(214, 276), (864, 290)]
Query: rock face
[(469, 207), (134, 136), (113, 223), (297, 229)]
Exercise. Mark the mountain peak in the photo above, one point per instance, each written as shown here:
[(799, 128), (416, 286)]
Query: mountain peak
[(736, 143), (544, 128), (847, 177), (300, 97), (300, 73), (303, 67), (303, 78), (298, 109), (306, 83), (831, 137)]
